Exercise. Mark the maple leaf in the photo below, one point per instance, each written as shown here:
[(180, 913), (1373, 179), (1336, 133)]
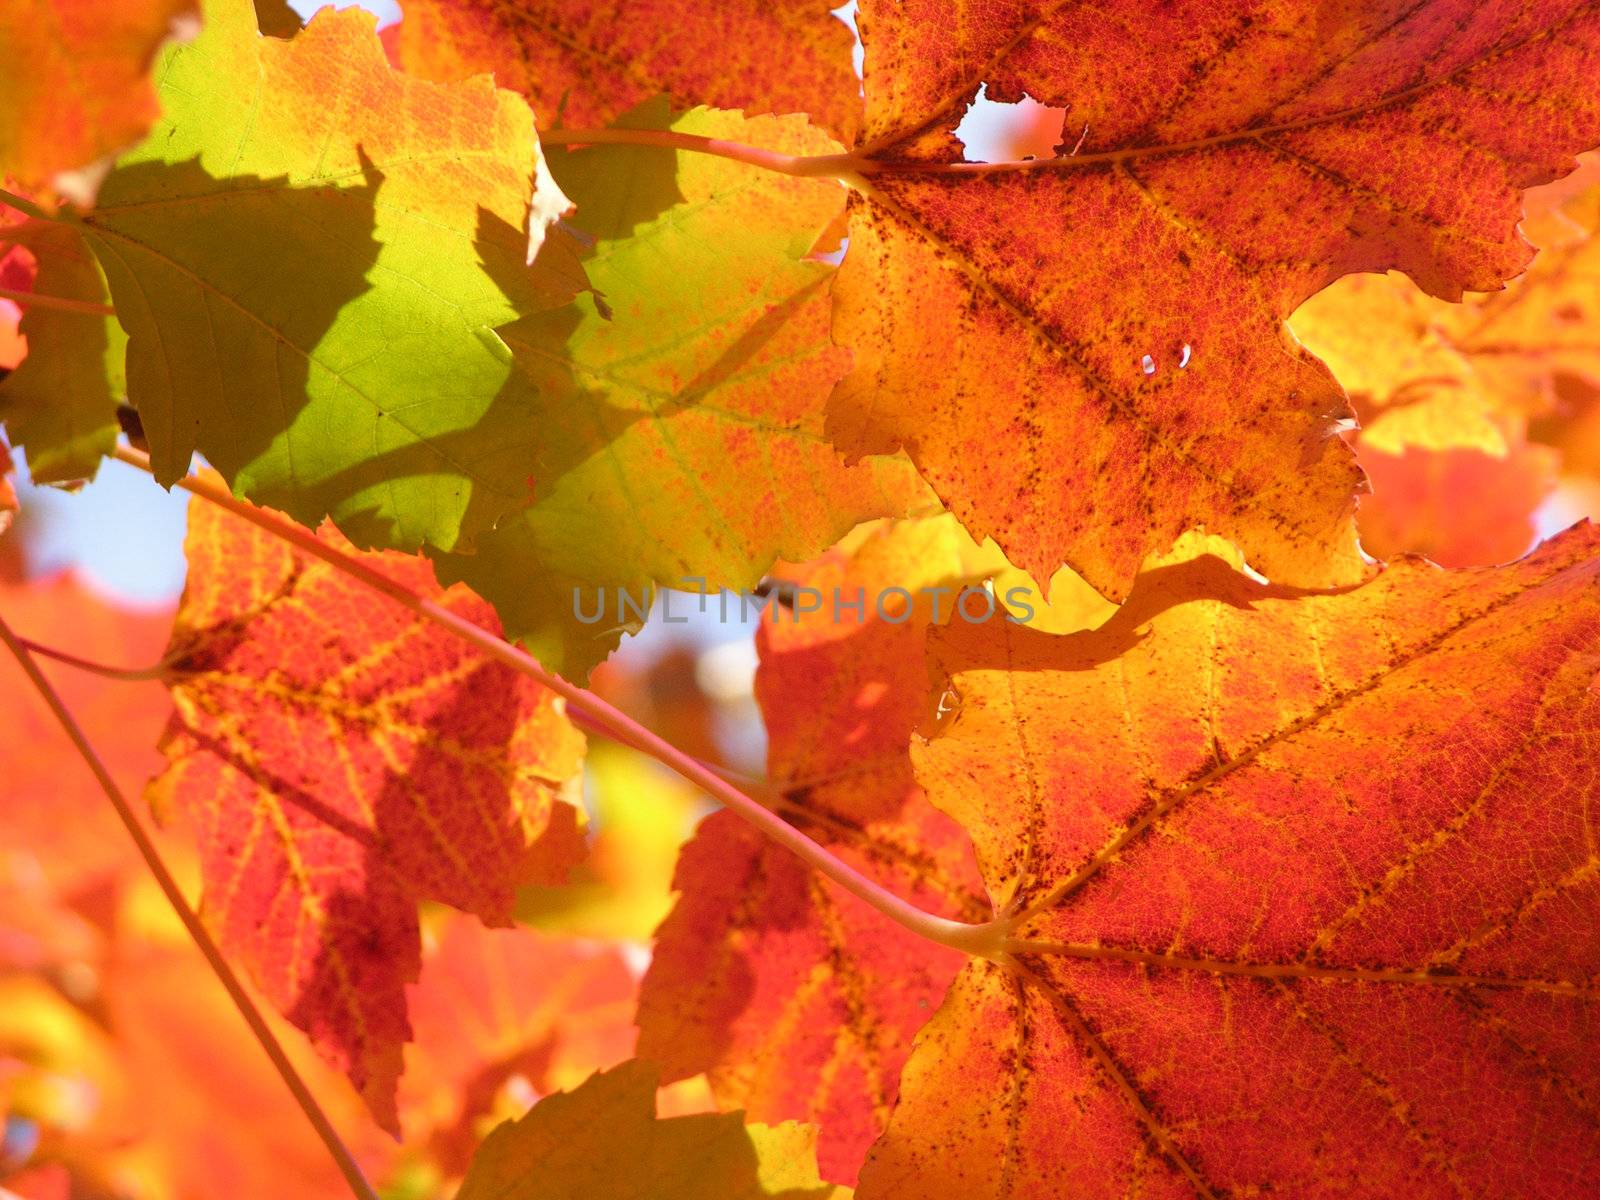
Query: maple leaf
[(623, 889), (1301, 887), (1445, 391), (64, 851), (118, 1043), (198, 1111), (584, 67), (76, 86), (355, 371), (1410, 386), (340, 758), (565, 1150), (58, 824), (795, 998), (1439, 376), (1461, 508), (60, 404), (682, 431), (1086, 355), (503, 1008)]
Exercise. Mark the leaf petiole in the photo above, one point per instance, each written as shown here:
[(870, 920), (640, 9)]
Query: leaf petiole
[(807, 167), (127, 674), (35, 300), (24, 206), (986, 940)]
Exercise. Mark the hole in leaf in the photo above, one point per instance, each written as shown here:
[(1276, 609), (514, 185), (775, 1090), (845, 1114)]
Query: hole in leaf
[(945, 707), (995, 131), (1184, 361), (1149, 365), (847, 13)]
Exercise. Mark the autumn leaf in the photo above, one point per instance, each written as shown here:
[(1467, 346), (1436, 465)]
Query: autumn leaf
[(1241, 865), (797, 999), (113, 1054), (500, 1012), (1300, 887), (42, 1183), (1461, 508), (339, 759), (199, 1114), (353, 371), (57, 822), (623, 889), (60, 404), (1445, 391), (1409, 384), (682, 423), (584, 67), (1441, 376), (64, 850), (565, 1149), (76, 86), (1086, 355)]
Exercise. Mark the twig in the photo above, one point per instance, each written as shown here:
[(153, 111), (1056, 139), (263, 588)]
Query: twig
[(985, 940), (347, 1164)]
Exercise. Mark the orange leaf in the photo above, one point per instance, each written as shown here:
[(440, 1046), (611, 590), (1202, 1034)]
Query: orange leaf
[(497, 1008), (1305, 887), (798, 1000), (1086, 355), (584, 65), (1439, 376), (1461, 508), (41, 1183), (58, 824), (340, 759), (76, 87), (64, 852), (205, 1112), (606, 1139)]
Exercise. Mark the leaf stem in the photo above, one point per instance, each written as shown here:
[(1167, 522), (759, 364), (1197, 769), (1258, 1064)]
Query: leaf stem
[(35, 300), (347, 1164), (127, 674), (985, 940), (24, 206), (809, 167)]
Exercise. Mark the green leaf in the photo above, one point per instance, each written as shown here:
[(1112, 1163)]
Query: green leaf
[(682, 413), (604, 1139), (60, 404), (310, 255)]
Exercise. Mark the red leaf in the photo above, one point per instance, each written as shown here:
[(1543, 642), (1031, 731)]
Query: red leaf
[(1305, 890), (799, 1000), (340, 759)]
